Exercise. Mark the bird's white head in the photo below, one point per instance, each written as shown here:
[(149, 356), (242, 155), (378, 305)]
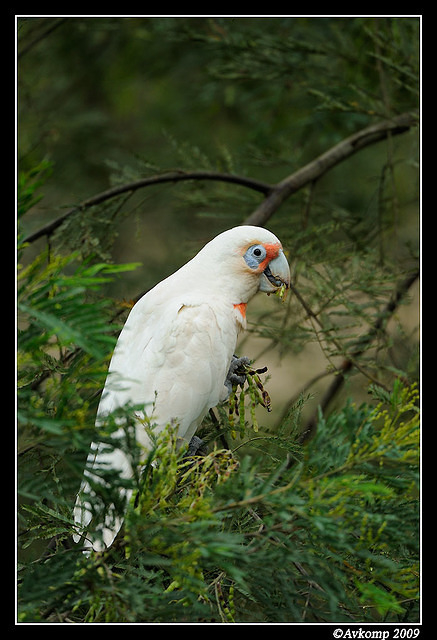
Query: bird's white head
[(247, 259)]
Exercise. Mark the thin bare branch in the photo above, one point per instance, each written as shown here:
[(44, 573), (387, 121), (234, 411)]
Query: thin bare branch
[(275, 194), (173, 176), (361, 345), (51, 26), (323, 163)]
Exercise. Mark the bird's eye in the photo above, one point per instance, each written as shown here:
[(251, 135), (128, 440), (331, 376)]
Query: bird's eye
[(255, 255), (258, 251)]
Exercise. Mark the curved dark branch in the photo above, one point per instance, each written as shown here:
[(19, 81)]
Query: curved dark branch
[(318, 167), (173, 176), (275, 194)]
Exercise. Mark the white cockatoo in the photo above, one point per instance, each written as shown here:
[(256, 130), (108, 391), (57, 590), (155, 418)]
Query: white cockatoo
[(174, 353)]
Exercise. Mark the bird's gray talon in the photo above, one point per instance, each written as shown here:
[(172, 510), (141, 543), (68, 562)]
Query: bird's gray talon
[(237, 374), (196, 446)]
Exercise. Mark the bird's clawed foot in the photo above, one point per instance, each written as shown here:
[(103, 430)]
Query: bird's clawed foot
[(237, 372), (196, 447)]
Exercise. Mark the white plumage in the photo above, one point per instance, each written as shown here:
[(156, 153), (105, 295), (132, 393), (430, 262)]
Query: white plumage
[(174, 351)]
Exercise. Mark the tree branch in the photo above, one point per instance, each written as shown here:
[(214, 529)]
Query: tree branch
[(173, 176), (318, 167), (43, 34), (361, 345), (275, 194)]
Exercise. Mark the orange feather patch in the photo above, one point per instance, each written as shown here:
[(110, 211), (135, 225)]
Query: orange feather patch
[(241, 307)]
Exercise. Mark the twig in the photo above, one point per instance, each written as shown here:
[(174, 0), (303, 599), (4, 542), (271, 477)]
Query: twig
[(216, 424), (361, 345), (275, 194), (43, 34), (318, 167), (313, 317), (174, 176)]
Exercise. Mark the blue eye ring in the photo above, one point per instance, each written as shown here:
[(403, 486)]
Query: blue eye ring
[(255, 255)]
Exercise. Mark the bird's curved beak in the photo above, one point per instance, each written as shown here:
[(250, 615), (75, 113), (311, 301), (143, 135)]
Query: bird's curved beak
[(275, 275)]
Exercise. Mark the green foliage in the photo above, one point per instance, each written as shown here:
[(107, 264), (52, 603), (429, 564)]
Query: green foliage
[(28, 184), (65, 335), (216, 539), (64, 339), (261, 528)]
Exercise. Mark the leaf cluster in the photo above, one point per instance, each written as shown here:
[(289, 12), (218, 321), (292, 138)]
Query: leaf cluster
[(215, 538), (66, 332)]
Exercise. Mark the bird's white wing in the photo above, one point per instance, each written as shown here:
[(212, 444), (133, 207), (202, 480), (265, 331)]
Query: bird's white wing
[(172, 358)]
